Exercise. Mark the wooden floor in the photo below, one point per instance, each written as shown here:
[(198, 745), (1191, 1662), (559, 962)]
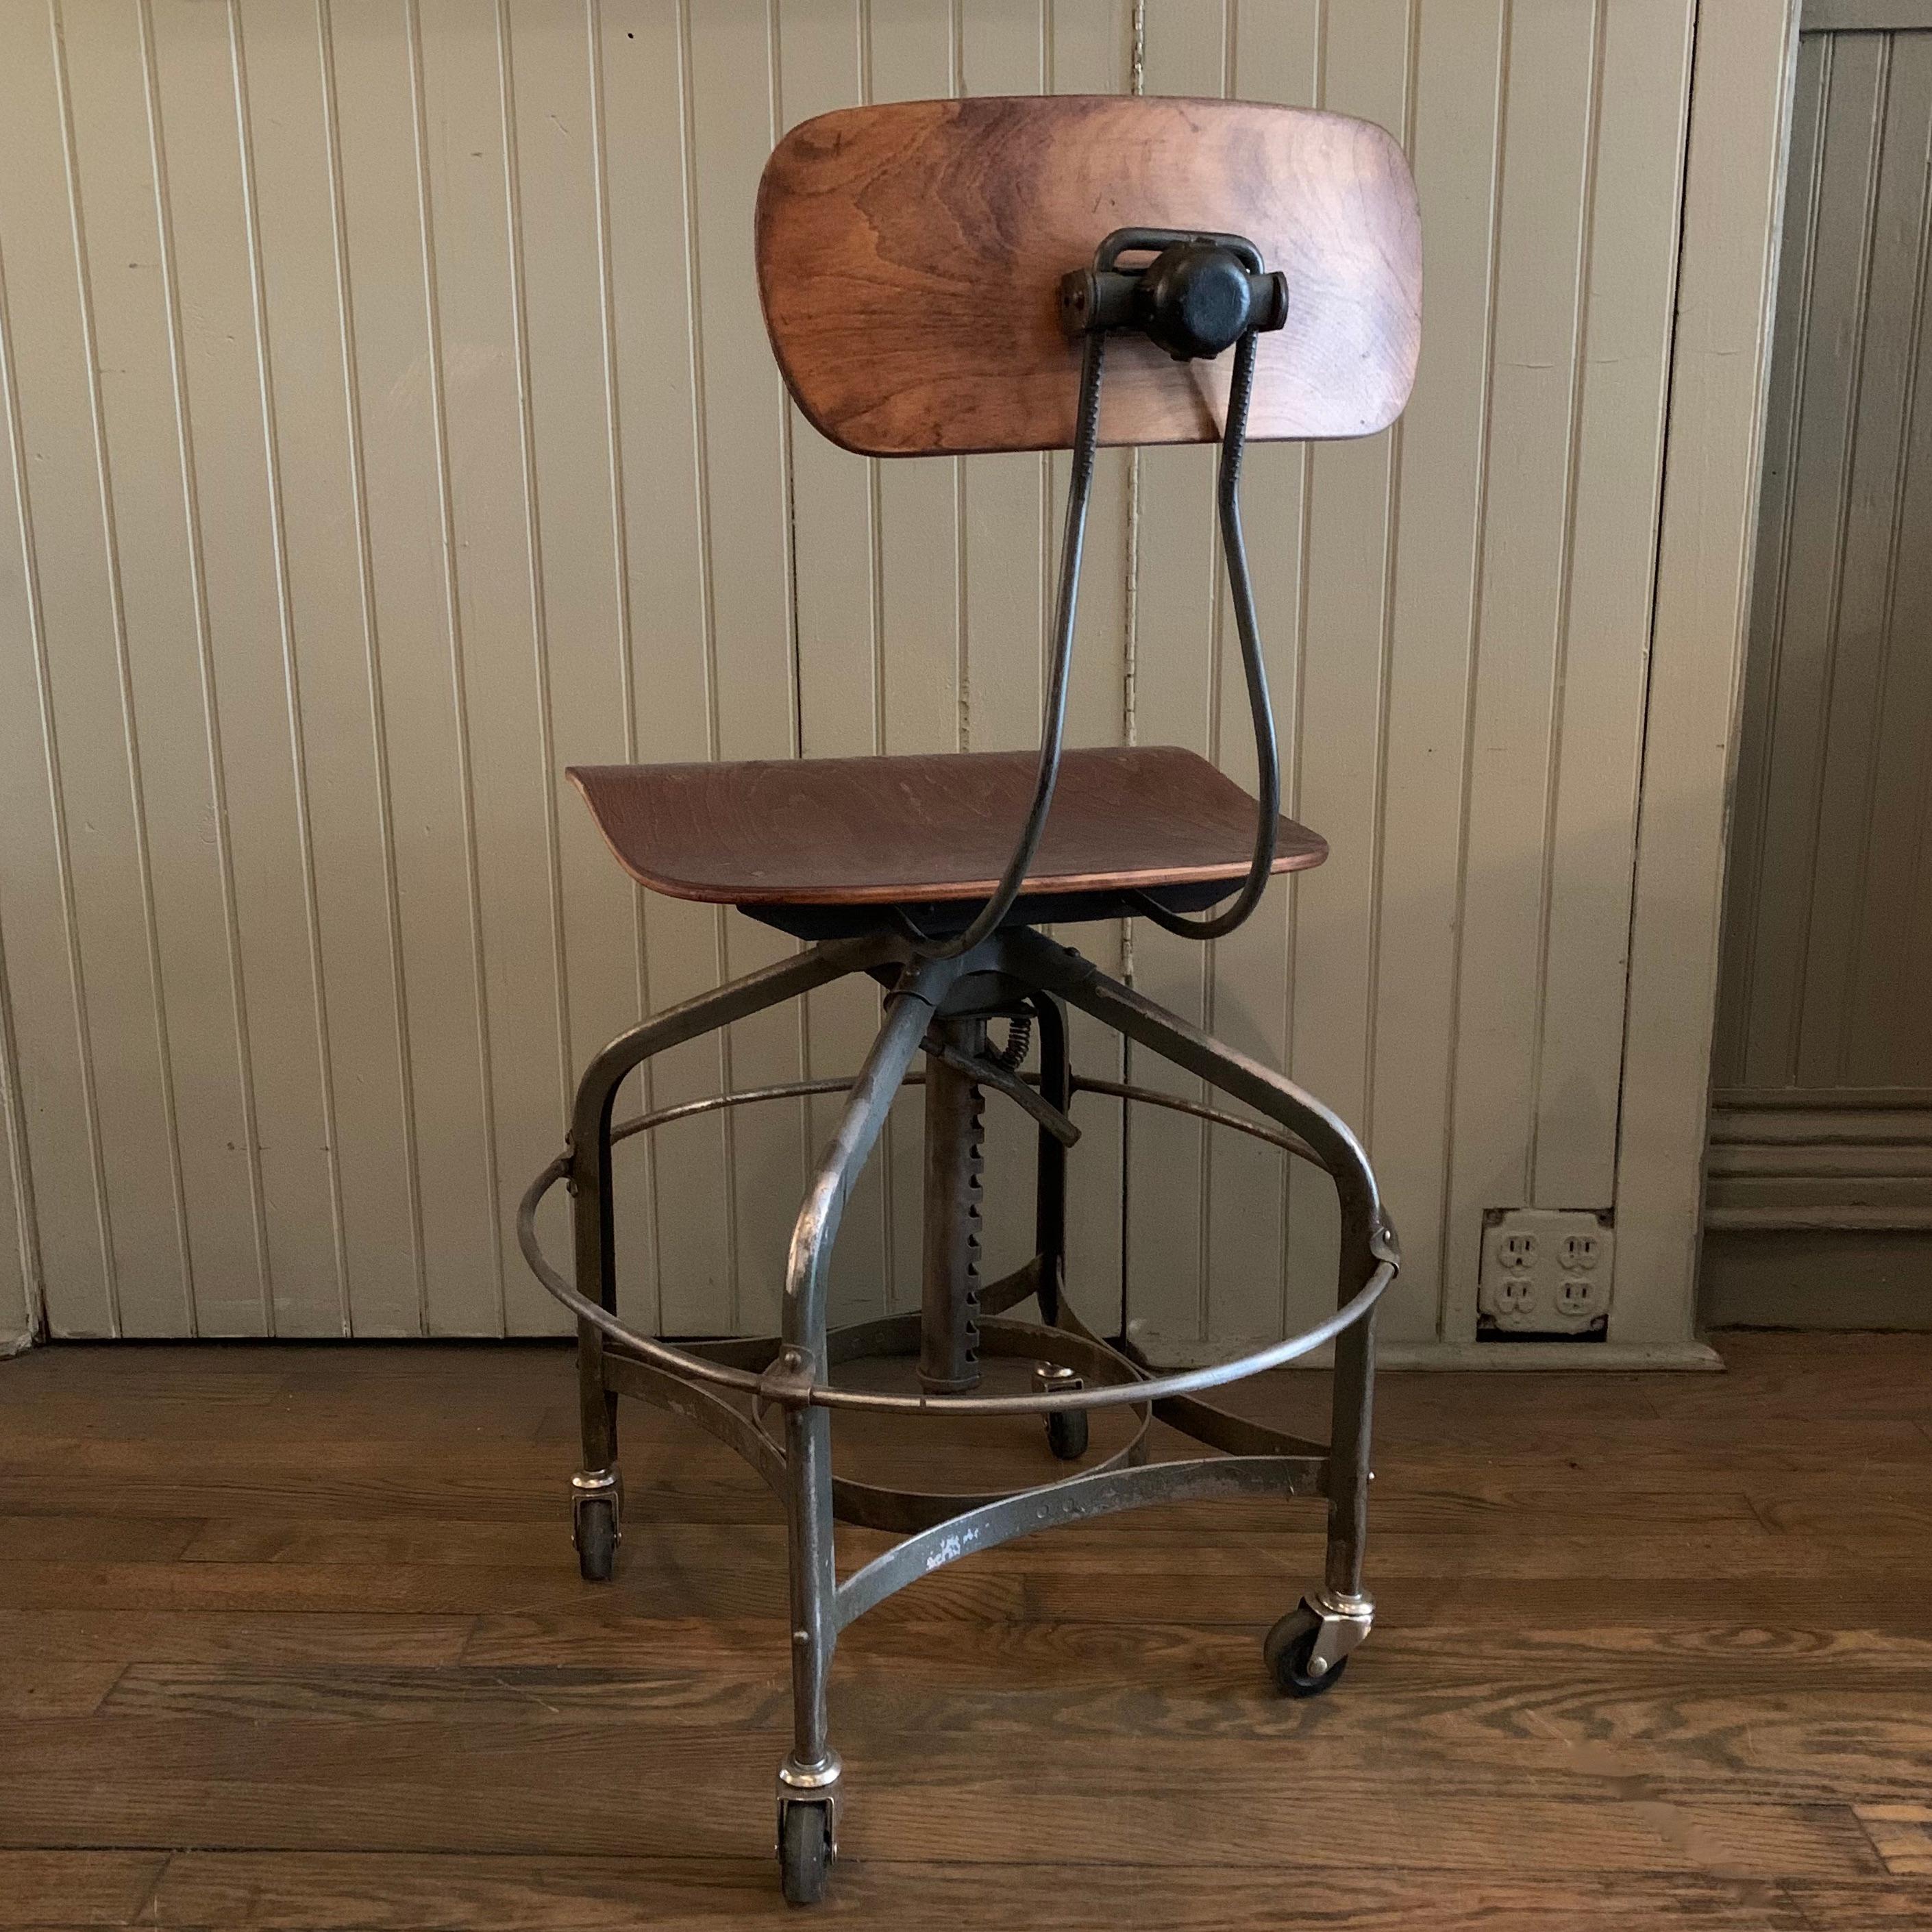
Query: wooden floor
[(294, 1639)]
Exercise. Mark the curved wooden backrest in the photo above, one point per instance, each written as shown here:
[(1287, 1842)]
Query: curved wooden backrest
[(909, 258)]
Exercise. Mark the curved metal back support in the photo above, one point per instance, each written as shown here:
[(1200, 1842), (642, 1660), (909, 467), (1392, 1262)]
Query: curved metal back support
[(1105, 300)]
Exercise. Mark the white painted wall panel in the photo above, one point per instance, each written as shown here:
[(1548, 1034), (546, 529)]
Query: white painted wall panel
[(390, 424)]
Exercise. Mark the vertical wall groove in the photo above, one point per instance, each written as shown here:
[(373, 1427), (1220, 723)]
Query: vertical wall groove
[(205, 660), (385, 815), (130, 737), (1445, 1259), (291, 670), (89, 1150), (453, 620), (23, 1262), (620, 551), (1579, 353), (533, 542)]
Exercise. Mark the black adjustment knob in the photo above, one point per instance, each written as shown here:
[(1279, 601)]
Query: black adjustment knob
[(1194, 299)]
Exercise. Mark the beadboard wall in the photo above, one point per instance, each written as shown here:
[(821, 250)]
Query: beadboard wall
[(390, 424), (1820, 1200)]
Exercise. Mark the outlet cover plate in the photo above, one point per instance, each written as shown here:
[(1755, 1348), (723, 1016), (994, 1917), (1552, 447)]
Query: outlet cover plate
[(1546, 1272)]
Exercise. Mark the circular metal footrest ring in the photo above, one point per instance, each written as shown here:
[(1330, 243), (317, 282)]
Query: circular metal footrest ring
[(1105, 1395)]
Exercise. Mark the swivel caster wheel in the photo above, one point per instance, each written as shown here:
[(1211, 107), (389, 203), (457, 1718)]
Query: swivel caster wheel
[(1067, 1432), (805, 1850), (594, 1525), (596, 1542), (1307, 1651)]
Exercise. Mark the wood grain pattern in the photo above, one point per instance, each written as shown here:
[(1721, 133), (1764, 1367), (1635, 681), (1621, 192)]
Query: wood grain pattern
[(1636, 1670), (1902, 1836), (871, 831), (909, 258)]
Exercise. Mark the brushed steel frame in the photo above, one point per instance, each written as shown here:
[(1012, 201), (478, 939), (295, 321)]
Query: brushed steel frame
[(734, 1388)]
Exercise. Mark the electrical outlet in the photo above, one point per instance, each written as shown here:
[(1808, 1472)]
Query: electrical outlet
[(1583, 1250), (1516, 1295), (1545, 1273)]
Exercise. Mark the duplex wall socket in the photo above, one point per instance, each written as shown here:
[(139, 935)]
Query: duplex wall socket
[(1545, 1271)]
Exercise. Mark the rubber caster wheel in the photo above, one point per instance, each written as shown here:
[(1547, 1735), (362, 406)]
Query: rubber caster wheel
[(1287, 1650), (805, 1851), (1066, 1434), (596, 1539)]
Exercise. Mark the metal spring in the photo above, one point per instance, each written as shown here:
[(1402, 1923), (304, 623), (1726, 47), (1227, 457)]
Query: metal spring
[(1019, 1042)]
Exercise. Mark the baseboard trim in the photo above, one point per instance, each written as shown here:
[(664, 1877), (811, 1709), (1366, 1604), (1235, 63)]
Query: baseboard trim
[(1500, 1355), (1817, 1162), (1828, 1278), (1173, 1351)]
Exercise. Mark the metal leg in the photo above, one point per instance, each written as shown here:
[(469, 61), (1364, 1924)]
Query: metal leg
[(1349, 1474), (1307, 1649), (808, 1779), (1056, 1082), (596, 1490), (955, 1112), (1067, 1433)]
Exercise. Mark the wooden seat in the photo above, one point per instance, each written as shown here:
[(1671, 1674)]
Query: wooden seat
[(846, 832)]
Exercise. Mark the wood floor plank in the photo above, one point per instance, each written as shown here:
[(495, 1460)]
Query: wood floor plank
[(1680, 1743), (456, 1589), (1901, 1833), (487, 1480), (1864, 1517), (1882, 1905), (76, 1888), (339, 1892), (119, 1637), (498, 1786), (1666, 1652), (57, 1536), (36, 1686)]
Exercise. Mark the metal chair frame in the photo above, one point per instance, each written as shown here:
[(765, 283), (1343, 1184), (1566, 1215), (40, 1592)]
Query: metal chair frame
[(731, 1387), (908, 258)]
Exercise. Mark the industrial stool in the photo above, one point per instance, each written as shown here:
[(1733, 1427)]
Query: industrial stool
[(940, 277)]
